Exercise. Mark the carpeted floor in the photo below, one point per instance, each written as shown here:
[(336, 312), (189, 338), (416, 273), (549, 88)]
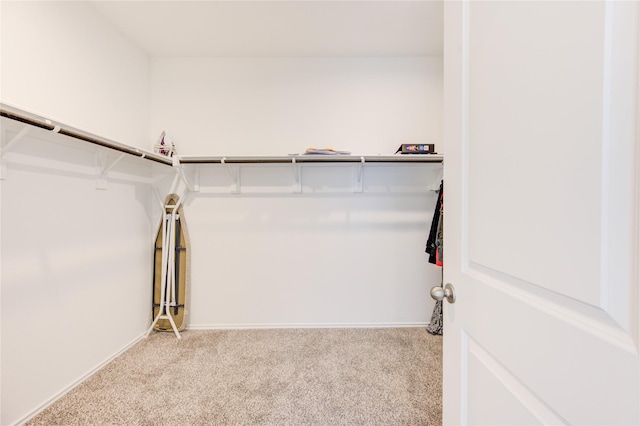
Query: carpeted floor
[(389, 376)]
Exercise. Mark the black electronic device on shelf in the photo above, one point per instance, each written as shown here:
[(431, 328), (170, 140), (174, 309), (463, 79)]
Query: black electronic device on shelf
[(417, 148)]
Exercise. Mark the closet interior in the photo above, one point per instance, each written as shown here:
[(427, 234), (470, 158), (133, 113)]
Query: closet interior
[(278, 238)]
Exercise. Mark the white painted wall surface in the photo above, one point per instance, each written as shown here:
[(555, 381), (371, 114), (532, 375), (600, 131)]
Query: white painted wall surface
[(323, 257), (76, 268), (63, 61), (279, 106)]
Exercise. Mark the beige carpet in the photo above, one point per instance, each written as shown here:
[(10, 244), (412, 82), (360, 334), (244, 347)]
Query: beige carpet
[(390, 376)]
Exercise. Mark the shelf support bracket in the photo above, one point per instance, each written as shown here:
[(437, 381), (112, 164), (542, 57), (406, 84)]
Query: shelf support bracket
[(234, 174), (21, 134), (297, 177), (357, 186), (102, 168), (177, 166), (196, 179), (5, 149)]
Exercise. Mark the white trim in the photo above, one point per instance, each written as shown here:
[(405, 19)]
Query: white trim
[(303, 325), (607, 136), (636, 205), (529, 400), (81, 379)]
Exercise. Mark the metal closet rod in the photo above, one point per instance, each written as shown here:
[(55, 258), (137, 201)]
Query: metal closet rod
[(33, 120)]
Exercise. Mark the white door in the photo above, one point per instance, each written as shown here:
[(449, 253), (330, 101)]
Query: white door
[(541, 213)]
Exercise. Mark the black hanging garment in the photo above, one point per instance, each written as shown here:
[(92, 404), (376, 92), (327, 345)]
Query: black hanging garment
[(434, 249)]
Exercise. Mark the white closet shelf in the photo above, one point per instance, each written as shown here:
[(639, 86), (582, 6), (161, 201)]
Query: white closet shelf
[(318, 158), (28, 118)]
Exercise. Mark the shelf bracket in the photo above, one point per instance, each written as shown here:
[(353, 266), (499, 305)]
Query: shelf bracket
[(357, 186), (196, 179), (177, 166), (21, 134), (102, 168), (5, 149), (297, 177), (234, 174)]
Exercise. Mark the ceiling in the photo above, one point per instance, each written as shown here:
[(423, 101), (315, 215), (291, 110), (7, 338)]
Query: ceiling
[(279, 28)]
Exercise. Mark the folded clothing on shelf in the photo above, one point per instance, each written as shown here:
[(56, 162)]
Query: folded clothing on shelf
[(325, 151)]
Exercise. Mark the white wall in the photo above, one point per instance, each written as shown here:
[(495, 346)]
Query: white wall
[(327, 257), (63, 61), (279, 106), (268, 257), (76, 271)]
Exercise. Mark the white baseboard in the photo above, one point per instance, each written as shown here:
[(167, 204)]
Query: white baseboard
[(303, 325), (60, 394)]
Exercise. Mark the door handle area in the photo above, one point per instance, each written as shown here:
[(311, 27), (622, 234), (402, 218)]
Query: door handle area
[(448, 292)]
